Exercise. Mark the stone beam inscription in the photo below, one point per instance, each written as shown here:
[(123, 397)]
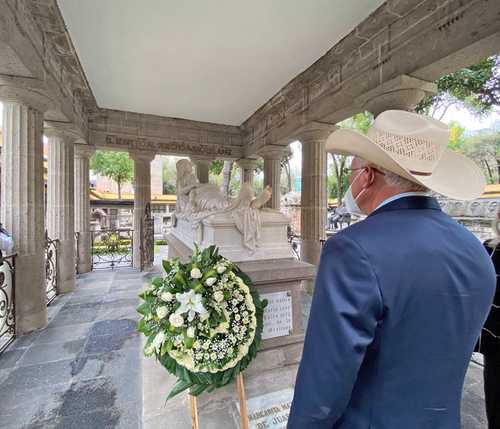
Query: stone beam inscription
[(165, 146)]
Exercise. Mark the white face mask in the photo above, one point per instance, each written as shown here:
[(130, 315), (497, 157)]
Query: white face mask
[(350, 202)]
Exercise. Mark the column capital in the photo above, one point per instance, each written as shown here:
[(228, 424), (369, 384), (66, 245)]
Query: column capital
[(141, 155), (200, 159), (64, 130), (315, 131), (275, 152), (84, 150), (247, 163), (402, 93), (29, 92)]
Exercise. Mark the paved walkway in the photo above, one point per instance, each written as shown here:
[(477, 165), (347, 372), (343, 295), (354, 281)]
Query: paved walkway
[(84, 370)]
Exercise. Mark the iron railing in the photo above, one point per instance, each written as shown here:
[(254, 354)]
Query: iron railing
[(51, 262), (7, 301), (112, 248), (77, 253)]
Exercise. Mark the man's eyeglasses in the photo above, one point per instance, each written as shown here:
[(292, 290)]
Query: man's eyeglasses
[(350, 170)]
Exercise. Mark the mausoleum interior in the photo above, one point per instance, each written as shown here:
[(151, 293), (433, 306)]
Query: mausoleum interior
[(229, 81)]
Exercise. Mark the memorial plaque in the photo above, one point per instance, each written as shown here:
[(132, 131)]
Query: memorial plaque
[(277, 315), (269, 411)]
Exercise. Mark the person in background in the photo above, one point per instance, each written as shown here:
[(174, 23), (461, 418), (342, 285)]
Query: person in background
[(489, 341)]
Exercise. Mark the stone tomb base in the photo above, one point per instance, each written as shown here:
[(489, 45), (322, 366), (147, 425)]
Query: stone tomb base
[(269, 380)]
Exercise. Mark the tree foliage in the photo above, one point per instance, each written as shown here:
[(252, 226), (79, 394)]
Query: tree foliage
[(116, 165), (476, 88)]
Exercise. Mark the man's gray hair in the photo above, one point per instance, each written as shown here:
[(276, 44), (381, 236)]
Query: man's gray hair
[(393, 179)]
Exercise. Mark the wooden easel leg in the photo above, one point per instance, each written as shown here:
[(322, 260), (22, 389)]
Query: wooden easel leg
[(243, 402), (194, 412)]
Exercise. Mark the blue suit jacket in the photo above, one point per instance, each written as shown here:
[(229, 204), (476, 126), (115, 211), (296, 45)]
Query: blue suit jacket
[(399, 302)]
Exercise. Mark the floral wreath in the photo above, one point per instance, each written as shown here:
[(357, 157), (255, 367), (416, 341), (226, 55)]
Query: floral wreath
[(202, 320)]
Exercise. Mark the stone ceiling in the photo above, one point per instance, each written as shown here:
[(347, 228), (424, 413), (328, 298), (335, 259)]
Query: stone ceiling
[(205, 61)]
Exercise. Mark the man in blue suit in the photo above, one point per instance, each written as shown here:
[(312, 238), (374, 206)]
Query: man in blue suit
[(401, 296)]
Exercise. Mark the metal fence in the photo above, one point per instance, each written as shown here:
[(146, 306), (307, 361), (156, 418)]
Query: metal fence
[(7, 301), (51, 261), (112, 248)]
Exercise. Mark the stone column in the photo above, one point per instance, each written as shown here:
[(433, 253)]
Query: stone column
[(202, 168), (247, 166), (272, 172), (402, 93), (142, 196), (22, 200), (61, 203), (314, 194), (82, 207)]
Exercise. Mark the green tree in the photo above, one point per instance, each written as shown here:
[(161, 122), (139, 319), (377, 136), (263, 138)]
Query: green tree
[(169, 175), (457, 139), (485, 150), (115, 165), (476, 88)]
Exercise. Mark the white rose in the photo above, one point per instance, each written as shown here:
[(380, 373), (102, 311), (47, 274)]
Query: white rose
[(190, 332), (196, 273), (210, 281), (176, 320), (221, 269), (161, 312), (166, 296), (218, 296)]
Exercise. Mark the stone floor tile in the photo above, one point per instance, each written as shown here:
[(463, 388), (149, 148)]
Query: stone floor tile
[(10, 358), (62, 334), (43, 353)]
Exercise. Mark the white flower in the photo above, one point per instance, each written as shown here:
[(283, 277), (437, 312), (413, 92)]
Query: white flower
[(191, 303), (196, 273), (234, 302), (161, 312), (158, 341), (237, 317), (210, 281), (206, 356), (218, 296), (166, 296), (221, 269), (213, 356), (206, 345), (190, 332), (197, 344), (176, 320)]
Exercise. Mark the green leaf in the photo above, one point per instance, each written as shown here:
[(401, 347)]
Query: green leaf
[(144, 308), (179, 387), (157, 282), (167, 266)]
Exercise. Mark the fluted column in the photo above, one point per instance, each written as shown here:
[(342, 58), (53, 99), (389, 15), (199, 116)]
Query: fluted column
[(202, 166), (22, 200), (142, 196), (61, 203), (247, 166), (82, 207), (272, 172), (313, 195)]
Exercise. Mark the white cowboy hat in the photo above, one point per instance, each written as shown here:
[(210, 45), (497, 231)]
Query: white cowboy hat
[(414, 147)]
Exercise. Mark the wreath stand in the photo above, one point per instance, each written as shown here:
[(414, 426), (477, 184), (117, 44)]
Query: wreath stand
[(240, 387)]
